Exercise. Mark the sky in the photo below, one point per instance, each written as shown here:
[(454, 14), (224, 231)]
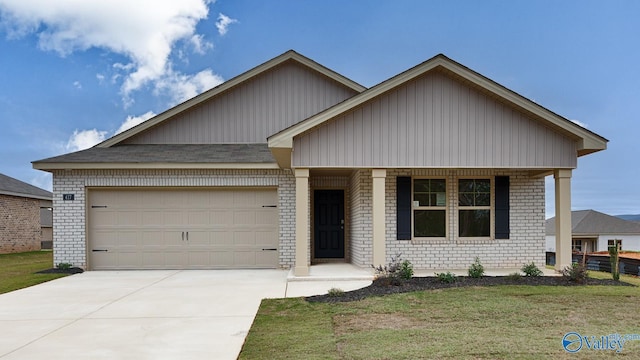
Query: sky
[(76, 72)]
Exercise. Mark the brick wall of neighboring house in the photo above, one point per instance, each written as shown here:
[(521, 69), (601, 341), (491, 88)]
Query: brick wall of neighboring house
[(69, 235), (19, 224)]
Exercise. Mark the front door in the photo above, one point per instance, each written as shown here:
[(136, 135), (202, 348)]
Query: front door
[(328, 212)]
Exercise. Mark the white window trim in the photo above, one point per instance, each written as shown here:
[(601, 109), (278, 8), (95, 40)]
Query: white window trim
[(445, 208), (491, 208)]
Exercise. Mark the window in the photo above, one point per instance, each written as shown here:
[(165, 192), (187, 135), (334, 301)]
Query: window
[(614, 243), (429, 208), (576, 246), (474, 207)]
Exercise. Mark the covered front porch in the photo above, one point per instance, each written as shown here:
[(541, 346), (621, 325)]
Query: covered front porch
[(350, 216)]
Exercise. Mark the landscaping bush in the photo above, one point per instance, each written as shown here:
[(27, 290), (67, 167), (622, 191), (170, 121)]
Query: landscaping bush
[(447, 277), (576, 272), (406, 270), (476, 270), (396, 271), (335, 292), (64, 266), (531, 270)]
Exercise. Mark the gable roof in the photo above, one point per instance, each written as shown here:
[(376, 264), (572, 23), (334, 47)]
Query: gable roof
[(287, 56), (15, 187), (587, 141), (591, 222)]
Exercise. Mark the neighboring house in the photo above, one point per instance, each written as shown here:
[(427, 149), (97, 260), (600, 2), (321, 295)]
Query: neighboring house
[(594, 231), (291, 164), (20, 213)]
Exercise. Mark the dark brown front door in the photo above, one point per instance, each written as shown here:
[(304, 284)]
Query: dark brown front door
[(328, 224)]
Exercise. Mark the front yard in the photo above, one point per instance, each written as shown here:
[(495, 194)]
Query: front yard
[(18, 271), (501, 322)]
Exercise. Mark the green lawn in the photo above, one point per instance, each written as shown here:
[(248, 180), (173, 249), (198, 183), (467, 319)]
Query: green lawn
[(17, 271), (504, 322)]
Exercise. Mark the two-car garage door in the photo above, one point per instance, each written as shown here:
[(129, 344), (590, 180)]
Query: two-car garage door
[(182, 228)]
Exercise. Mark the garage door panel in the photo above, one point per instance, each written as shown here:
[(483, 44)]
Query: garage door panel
[(147, 228), (266, 238), (264, 258), (244, 217), (265, 217), (220, 217)]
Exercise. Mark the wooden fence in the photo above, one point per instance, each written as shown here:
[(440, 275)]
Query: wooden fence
[(597, 262)]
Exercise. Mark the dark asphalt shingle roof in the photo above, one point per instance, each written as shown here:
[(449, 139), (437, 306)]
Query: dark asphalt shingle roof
[(15, 187), (169, 153), (591, 222)]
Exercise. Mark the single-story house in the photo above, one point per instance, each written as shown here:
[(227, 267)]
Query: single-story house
[(593, 231), (291, 164), (21, 205)]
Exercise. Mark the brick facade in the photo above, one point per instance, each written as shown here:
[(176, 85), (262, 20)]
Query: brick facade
[(69, 235), (526, 242), (19, 224), (526, 223)]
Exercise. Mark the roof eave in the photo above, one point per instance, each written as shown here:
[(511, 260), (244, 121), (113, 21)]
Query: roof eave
[(23, 195), (115, 165)]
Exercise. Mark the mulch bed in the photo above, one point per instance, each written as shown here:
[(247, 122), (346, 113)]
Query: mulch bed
[(73, 270), (383, 286)]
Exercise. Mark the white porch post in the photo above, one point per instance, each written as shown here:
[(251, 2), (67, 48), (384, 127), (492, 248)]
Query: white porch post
[(563, 217), (379, 228), (302, 222)]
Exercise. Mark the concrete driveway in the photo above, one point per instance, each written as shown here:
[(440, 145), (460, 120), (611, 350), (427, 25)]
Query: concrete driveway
[(136, 314)]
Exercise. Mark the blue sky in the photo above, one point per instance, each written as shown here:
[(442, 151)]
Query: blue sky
[(74, 72)]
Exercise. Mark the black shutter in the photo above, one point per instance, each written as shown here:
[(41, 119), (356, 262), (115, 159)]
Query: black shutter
[(403, 214), (502, 207)]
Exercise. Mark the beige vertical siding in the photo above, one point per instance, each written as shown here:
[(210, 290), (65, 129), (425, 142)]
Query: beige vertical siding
[(252, 111), (434, 121)]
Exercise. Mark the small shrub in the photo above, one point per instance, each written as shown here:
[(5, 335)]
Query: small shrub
[(447, 277), (335, 292), (576, 272), (395, 272), (406, 270), (476, 270), (531, 270), (64, 266), (514, 276)]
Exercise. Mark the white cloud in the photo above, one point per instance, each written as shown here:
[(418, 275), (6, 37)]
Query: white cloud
[(182, 87), (77, 84), (85, 139), (132, 121), (580, 123), (223, 23), (144, 31), (200, 45), (100, 78)]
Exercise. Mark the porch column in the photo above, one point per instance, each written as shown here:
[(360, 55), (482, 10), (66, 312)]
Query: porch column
[(563, 217), (302, 222), (379, 220)]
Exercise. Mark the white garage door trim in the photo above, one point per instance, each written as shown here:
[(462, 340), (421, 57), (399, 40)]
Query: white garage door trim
[(182, 228)]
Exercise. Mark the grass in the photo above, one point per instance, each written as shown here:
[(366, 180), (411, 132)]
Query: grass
[(18, 271), (504, 322)]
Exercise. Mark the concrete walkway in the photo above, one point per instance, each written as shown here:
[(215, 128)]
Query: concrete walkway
[(144, 314)]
